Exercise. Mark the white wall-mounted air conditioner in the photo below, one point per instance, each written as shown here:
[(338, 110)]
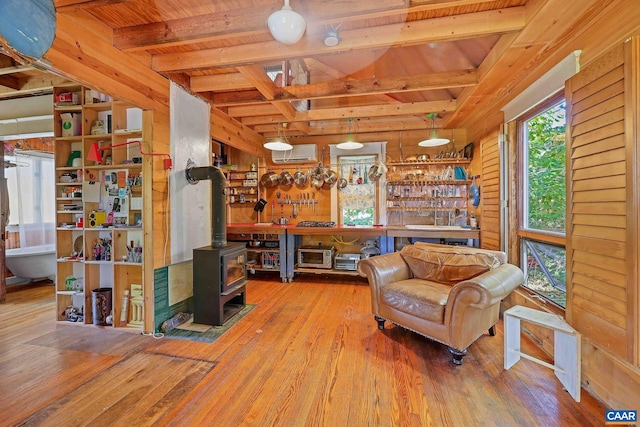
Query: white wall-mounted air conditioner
[(302, 153)]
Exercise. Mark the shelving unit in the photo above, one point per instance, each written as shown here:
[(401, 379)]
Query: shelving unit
[(100, 229), (427, 193), (243, 187)]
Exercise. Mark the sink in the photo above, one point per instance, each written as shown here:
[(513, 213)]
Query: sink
[(434, 227)]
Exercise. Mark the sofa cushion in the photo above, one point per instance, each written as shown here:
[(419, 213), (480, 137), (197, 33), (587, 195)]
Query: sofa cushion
[(446, 265), (419, 298), (461, 249)]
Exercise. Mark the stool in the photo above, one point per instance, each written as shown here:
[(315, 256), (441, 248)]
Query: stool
[(566, 345)]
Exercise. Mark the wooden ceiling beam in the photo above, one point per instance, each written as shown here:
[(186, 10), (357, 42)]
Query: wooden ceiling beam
[(72, 5), (366, 125), (349, 87), (14, 69), (253, 110), (263, 120), (36, 85), (232, 23), (406, 34), (220, 83), (246, 22), (10, 82), (344, 87), (261, 80), (237, 98), (413, 108)]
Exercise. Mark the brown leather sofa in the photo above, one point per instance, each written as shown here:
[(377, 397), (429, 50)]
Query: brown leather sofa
[(450, 294)]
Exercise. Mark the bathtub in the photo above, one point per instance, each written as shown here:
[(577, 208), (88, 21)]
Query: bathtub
[(34, 262)]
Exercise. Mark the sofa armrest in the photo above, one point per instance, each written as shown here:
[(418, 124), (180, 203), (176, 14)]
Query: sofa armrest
[(384, 269), (484, 290)]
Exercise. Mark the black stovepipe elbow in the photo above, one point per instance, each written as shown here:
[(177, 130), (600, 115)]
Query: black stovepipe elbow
[(218, 200)]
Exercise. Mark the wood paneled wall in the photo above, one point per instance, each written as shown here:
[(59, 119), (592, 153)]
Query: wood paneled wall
[(597, 250), (489, 220), (602, 221)]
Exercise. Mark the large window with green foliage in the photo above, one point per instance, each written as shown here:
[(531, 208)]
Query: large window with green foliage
[(543, 200), (357, 200), (546, 167)]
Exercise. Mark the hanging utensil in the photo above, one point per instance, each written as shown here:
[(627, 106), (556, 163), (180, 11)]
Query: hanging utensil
[(342, 181), (286, 179), (270, 179), (300, 178)]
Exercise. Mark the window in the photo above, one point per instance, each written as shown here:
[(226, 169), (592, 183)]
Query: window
[(357, 201), (32, 206), (543, 199)]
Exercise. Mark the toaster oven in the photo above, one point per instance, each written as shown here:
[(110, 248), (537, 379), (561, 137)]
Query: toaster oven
[(315, 257)]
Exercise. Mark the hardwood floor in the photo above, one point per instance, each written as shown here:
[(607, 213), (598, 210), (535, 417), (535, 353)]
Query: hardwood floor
[(309, 354)]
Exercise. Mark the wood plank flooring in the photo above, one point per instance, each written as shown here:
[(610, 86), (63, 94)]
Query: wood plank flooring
[(309, 354)]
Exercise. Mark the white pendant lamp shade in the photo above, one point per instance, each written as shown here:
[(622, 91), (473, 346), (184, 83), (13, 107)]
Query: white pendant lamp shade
[(350, 145), (286, 26), (433, 140), (277, 146)]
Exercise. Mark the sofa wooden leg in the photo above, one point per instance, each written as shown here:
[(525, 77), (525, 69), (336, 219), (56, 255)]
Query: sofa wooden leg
[(380, 321), (457, 355), (492, 331)]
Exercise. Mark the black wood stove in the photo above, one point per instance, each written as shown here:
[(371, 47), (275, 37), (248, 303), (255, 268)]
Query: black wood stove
[(219, 270)]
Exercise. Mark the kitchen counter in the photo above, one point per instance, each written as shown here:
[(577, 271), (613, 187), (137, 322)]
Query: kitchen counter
[(425, 231), (433, 231), (289, 237)]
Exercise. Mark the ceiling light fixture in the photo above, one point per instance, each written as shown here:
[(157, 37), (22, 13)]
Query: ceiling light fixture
[(331, 38), (350, 144), (433, 140), (286, 26), (280, 143)]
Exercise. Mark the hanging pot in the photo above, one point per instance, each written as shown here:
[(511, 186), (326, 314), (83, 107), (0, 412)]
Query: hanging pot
[(342, 183), (330, 178), (300, 178), (317, 181), (376, 171), (286, 180), (270, 179)]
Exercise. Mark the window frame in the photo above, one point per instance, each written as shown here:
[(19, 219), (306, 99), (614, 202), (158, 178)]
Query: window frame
[(523, 233), (376, 211)]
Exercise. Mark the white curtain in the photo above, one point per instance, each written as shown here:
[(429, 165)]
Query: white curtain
[(31, 186)]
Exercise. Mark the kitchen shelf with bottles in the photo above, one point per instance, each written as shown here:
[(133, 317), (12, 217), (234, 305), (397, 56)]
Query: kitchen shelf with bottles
[(116, 128), (427, 192), (242, 187)]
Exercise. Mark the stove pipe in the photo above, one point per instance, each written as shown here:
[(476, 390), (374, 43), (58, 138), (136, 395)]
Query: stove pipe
[(218, 200)]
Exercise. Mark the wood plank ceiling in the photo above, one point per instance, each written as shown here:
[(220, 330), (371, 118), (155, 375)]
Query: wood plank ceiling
[(397, 60)]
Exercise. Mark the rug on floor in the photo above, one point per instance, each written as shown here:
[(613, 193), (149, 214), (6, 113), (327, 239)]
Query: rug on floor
[(212, 333)]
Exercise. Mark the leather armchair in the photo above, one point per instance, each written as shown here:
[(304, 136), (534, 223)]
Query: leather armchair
[(450, 294)]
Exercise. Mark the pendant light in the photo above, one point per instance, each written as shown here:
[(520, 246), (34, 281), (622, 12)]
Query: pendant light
[(286, 26), (350, 144), (433, 140), (280, 143)]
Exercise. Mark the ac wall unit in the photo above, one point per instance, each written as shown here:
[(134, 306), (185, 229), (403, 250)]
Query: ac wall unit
[(302, 153)]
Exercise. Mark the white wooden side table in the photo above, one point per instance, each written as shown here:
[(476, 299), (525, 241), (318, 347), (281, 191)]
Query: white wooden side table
[(566, 345)]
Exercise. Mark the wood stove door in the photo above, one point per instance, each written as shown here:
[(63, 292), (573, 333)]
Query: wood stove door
[(235, 271)]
